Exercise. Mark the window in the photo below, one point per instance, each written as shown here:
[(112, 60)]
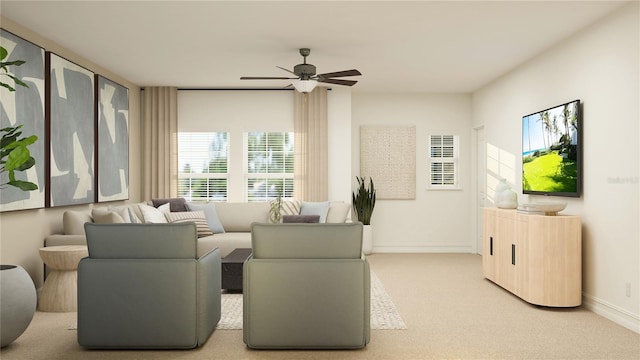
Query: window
[(269, 165), (203, 162), (443, 158)]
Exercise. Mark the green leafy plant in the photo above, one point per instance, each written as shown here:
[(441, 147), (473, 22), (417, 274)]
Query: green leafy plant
[(275, 214), (15, 156), (14, 151), (364, 200), (4, 66)]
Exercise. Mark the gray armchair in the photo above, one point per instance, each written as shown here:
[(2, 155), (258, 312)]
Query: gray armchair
[(306, 286), (143, 287)]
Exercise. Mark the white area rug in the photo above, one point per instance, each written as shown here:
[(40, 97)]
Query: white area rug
[(384, 315)]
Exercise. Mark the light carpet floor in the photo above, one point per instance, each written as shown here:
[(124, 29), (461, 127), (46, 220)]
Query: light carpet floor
[(384, 315), (450, 310)]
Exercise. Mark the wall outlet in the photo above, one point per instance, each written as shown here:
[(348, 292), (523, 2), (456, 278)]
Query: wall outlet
[(628, 289)]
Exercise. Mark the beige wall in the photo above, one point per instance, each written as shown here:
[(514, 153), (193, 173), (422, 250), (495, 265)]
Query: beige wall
[(23, 232), (437, 220), (217, 110), (599, 66)]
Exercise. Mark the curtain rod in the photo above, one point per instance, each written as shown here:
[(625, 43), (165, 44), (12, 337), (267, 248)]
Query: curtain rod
[(236, 89)]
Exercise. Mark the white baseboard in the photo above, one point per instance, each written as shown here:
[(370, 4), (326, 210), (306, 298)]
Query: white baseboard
[(424, 249), (614, 313), (603, 308)]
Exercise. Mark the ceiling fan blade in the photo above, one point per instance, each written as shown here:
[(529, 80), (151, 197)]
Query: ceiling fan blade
[(287, 70), (338, 81), (352, 72), (266, 78)]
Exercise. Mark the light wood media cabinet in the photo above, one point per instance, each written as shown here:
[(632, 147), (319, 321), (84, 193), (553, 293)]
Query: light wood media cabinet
[(536, 257)]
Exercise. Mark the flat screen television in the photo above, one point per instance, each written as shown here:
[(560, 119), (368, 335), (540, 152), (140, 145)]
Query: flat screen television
[(552, 151)]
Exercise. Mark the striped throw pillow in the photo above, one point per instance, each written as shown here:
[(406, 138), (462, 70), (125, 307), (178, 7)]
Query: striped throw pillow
[(290, 207), (196, 217)]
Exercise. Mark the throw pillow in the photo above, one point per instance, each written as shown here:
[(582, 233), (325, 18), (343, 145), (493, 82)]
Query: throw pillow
[(176, 204), (287, 207), (134, 218), (104, 216), (338, 212), (165, 209), (300, 218), (210, 214), (152, 215), (122, 211), (290, 207), (196, 217), (73, 221), (315, 208)]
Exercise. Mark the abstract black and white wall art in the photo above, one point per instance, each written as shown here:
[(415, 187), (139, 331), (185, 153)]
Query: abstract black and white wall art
[(24, 106), (72, 133), (113, 140)]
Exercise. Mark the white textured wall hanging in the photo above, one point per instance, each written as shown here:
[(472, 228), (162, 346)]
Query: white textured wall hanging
[(388, 156)]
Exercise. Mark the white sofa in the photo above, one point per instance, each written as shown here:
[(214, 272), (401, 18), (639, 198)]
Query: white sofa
[(235, 218)]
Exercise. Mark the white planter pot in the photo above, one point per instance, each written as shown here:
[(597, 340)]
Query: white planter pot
[(367, 239), (17, 302)]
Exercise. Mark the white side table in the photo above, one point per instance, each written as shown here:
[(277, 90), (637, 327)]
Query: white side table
[(60, 290)]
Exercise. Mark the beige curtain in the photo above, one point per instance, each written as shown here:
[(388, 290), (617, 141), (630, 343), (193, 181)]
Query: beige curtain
[(310, 131), (159, 133)]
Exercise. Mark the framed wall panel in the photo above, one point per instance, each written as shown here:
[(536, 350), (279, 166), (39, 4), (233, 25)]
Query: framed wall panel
[(71, 126), (24, 106), (113, 140), (388, 156)]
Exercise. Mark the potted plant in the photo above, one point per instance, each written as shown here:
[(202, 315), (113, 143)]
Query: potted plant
[(15, 156), (364, 200), (17, 293), (4, 65), (14, 152)]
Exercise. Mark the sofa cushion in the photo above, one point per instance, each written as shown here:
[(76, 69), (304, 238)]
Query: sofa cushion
[(154, 216), (176, 204), (290, 207), (196, 217), (135, 219), (210, 214), (135, 214), (226, 242), (306, 241), (123, 211), (142, 241), (106, 216), (301, 218), (315, 208), (338, 212), (73, 221), (239, 216), (287, 207)]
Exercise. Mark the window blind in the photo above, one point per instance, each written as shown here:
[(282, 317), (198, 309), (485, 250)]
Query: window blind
[(203, 162), (443, 157), (269, 165)]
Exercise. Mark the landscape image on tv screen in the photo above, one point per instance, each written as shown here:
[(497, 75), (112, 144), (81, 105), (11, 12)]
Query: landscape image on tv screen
[(551, 151)]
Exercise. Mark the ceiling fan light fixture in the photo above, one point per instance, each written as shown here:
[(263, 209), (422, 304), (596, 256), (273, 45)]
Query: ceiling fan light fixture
[(305, 86)]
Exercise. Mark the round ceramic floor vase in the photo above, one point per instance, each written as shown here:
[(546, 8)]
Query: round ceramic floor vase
[(17, 302)]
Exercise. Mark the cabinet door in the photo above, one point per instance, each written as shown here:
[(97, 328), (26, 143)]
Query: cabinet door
[(488, 244), (521, 258), (555, 254), (505, 246)]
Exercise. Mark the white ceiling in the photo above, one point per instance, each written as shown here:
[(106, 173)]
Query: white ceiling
[(399, 46)]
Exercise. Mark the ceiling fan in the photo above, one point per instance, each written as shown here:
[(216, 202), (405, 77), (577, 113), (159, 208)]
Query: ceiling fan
[(306, 78)]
